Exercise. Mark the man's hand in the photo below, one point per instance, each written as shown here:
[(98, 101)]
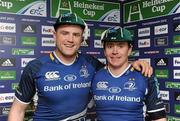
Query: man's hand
[(144, 67)]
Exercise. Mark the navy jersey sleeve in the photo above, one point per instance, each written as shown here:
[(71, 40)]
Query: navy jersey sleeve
[(155, 106), (26, 88)]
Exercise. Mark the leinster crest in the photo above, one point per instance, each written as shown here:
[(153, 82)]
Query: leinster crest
[(83, 72)]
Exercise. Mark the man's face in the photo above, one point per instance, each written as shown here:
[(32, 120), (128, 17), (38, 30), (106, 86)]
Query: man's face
[(68, 40), (117, 53)]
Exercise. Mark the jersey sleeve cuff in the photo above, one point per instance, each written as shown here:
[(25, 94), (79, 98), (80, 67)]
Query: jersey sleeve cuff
[(21, 101), (157, 115)]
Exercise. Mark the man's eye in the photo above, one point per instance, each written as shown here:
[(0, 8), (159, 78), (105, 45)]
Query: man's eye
[(109, 46), (64, 33), (77, 35)]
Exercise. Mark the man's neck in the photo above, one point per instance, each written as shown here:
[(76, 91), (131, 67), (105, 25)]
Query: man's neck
[(66, 60), (118, 71)]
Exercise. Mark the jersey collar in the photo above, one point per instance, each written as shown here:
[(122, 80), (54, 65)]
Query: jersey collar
[(124, 72), (56, 59)]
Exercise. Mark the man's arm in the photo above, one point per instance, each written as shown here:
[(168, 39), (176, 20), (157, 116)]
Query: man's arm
[(143, 66), (17, 111)]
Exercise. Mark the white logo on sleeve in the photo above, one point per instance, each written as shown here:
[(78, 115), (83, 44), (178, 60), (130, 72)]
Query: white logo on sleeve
[(52, 75)]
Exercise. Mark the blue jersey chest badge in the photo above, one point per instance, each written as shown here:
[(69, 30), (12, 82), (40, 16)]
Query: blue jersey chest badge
[(84, 72)]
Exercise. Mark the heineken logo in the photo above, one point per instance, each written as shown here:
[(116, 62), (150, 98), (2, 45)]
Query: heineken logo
[(169, 51), (88, 10), (7, 75), (147, 9), (173, 85), (134, 53), (162, 73), (177, 108), (156, 6), (176, 39)]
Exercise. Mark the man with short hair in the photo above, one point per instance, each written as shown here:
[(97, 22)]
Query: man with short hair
[(120, 92)]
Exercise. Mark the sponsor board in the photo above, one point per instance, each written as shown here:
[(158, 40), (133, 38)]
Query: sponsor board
[(45, 51), (93, 53), (171, 118), (98, 44), (7, 40), (144, 32), (170, 51), (22, 51), (134, 53), (176, 39), (161, 41), (164, 95), (24, 7), (2, 51), (27, 28), (176, 61), (14, 86), (167, 107), (146, 9), (162, 73), (8, 27), (89, 9), (98, 32), (47, 30), (176, 27), (161, 29), (86, 33), (151, 52), (102, 60), (176, 74), (4, 110), (28, 41), (172, 85), (142, 43), (177, 108), (6, 97), (25, 61), (48, 42), (148, 60), (7, 18), (7, 75), (7, 62), (161, 62), (177, 96), (85, 43)]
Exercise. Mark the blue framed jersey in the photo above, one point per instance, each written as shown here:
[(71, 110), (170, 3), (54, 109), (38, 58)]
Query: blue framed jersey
[(125, 97), (62, 90)]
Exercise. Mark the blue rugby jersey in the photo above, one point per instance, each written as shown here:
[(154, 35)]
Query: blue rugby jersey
[(62, 90), (123, 98)]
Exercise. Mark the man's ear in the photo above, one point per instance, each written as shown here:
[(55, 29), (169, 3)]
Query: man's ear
[(104, 52), (129, 51)]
